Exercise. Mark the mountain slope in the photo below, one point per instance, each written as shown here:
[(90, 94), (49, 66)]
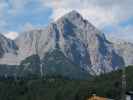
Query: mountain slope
[(56, 64), (6, 46), (77, 39), (8, 50), (80, 45), (125, 49), (30, 67)]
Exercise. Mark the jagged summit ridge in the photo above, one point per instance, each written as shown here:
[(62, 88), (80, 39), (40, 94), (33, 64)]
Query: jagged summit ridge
[(76, 19)]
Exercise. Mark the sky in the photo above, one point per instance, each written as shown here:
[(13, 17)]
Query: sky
[(112, 17)]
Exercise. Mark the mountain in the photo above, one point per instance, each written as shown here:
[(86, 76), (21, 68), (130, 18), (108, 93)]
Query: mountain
[(8, 49), (125, 49), (56, 64), (79, 41), (6, 46), (83, 49)]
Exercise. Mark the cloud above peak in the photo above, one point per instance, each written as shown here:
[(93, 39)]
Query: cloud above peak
[(11, 35), (16, 15), (96, 11), (101, 13)]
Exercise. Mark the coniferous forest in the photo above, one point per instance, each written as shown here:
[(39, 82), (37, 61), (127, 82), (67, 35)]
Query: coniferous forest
[(63, 88)]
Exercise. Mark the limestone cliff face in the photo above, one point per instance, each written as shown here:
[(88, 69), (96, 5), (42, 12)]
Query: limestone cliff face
[(125, 49), (79, 40), (81, 43), (8, 49)]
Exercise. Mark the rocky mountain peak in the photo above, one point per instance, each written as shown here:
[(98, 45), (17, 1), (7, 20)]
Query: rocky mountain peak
[(73, 15), (75, 19), (78, 40)]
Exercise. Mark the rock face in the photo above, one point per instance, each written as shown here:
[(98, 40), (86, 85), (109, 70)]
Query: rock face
[(8, 49), (125, 49), (77, 39), (56, 64), (7, 46), (71, 46)]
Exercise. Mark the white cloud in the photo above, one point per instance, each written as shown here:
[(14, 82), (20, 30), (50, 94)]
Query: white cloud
[(3, 6), (99, 12), (16, 6), (12, 6), (9, 8), (27, 26), (122, 33), (11, 35)]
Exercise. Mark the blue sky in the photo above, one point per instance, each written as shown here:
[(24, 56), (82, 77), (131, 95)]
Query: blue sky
[(31, 12), (113, 17)]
